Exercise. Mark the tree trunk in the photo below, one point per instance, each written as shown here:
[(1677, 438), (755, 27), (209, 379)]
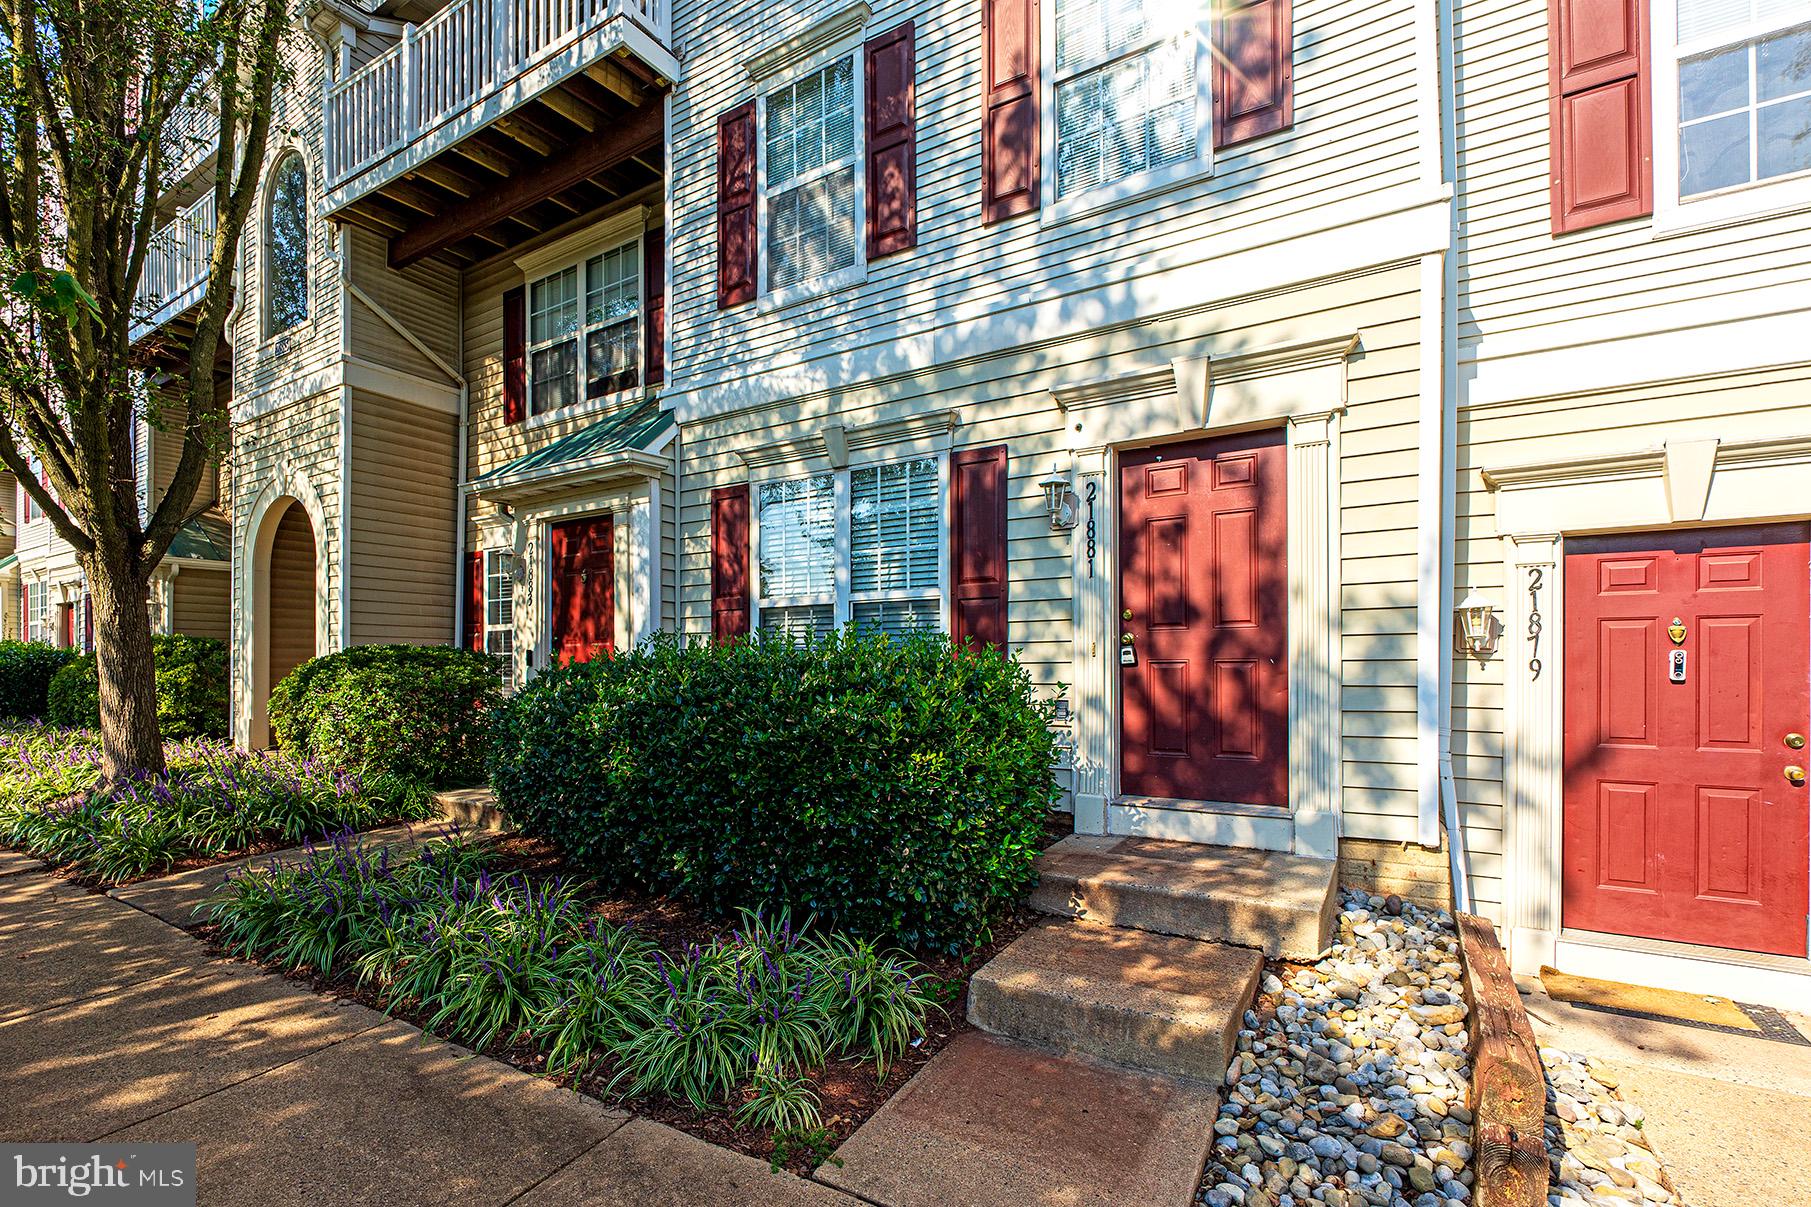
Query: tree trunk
[(131, 743)]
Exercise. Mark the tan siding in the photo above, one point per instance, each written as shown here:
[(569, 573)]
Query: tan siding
[(202, 603), (402, 524), (423, 298), (303, 437)]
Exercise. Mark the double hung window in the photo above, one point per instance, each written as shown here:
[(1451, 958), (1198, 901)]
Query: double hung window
[(584, 330), (811, 157)]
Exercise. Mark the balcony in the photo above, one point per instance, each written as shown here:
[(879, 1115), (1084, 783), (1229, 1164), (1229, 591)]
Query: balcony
[(489, 91), (176, 270)]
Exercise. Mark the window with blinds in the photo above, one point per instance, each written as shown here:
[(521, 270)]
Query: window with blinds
[(862, 546), (589, 310), (500, 612), (811, 149), (1128, 99), (1744, 92)]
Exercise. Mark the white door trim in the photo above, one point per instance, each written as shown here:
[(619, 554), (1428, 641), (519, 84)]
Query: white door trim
[(1302, 388), (1680, 484)]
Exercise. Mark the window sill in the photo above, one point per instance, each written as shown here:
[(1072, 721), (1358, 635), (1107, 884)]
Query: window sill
[(585, 409), (806, 291), (1732, 207), (1150, 183)]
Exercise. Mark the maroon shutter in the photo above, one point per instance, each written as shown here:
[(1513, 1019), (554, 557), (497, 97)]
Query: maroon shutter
[(1254, 69), (892, 139), (978, 558), (729, 562), (474, 601), (515, 355), (1010, 161), (736, 250), (654, 327), (1602, 145)]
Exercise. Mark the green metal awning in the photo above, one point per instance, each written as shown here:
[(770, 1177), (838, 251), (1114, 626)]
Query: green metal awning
[(627, 440), (203, 539), (8, 562)]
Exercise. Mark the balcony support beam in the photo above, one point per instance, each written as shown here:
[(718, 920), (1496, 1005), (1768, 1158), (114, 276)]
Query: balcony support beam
[(638, 132)]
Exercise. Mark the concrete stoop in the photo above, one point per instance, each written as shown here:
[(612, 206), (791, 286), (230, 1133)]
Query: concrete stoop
[(1156, 1003), (1283, 905), (471, 808)]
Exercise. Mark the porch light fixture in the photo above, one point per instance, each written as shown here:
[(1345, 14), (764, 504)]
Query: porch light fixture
[(1060, 501), (1475, 628)]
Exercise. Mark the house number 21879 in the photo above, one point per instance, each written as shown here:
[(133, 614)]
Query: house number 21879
[(1536, 577)]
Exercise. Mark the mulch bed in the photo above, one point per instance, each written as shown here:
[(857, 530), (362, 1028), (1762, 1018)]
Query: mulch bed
[(849, 1092)]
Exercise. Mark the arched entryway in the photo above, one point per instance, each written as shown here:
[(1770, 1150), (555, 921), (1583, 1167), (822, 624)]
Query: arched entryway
[(286, 606)]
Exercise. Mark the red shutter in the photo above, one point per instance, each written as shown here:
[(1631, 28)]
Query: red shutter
[(474, 601), (654, 285), (892, 143), (729, 562), (1254, 69), (737, 255), (1010, 160), (515, 355), (1602, 142), (978, 558)]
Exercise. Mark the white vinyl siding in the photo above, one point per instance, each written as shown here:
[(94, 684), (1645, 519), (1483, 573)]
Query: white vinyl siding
[(1126, 88), (862, 546), (811, 178)]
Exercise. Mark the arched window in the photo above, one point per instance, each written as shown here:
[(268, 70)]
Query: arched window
[(286, 247)]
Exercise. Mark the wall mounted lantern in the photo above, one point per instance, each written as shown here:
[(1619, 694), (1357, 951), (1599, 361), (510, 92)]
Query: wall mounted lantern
[(1476, 630), (1060, 501)]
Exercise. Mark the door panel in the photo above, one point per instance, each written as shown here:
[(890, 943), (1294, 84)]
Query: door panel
[(583, 574), (1680, 822), (1203, 591)]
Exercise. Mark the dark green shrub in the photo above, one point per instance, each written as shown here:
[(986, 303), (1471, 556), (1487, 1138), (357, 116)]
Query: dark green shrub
[(892, 788), (192, 689), (415, 711), (26, 669)]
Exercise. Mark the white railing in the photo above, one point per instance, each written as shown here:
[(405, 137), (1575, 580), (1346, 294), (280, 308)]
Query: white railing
[(191, 136), (177, 261), (454, 60)]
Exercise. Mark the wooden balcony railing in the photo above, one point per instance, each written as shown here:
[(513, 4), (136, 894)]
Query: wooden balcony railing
[(176, 266), (455, 71)]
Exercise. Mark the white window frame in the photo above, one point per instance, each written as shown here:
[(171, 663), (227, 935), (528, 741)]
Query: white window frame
[(268, 332), (1150, 181), (604, 402), (843, 599), (500, 563), (38, 624), (856, 273), (1754, 199)]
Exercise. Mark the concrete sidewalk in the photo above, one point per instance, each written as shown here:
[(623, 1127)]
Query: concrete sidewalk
[(1728, 1114), (118, 1026)]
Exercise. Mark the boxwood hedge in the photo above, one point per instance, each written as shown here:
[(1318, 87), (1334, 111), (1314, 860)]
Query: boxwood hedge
[(895, 788), (192, 689), (417, 712), (26, 669)]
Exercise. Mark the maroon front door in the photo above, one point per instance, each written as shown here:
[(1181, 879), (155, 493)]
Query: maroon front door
[(584, 589), (1688, 676), (1204, 694)]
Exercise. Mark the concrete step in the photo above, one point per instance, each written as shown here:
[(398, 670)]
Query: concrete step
[(1139, 1000), (471, 808), (1283, 905)]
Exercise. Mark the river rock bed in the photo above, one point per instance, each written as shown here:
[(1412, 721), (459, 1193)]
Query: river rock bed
[(1350, 1082), (1596, 1150)]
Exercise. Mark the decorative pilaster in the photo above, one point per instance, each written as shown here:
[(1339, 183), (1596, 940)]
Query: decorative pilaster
[(1532, 771), (1314, 662), (1094, 544)]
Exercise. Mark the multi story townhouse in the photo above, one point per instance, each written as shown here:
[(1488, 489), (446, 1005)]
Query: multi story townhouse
[(1200, 355), (1632, 335)]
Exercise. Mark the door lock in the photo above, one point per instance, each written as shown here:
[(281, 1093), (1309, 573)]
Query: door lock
[(1795, 741), (1126, 615), (1126, 639), (1795, 776)]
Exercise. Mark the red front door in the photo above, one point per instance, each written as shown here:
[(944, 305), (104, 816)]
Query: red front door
[(1688, 665), (584, 589), (1204, 695)]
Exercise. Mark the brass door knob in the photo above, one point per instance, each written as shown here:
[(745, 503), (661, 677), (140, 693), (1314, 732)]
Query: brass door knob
[(1795, 741), (1126, 639), (1795, 776)]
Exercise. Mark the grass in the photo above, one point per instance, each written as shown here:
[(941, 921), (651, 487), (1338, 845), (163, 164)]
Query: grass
[(499, 958), (211, 802)]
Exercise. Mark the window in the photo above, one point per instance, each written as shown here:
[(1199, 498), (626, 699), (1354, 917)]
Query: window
[(1131, 91), (811, 200), (37, 613), (591, 308), (861, 546), (500, 611), (1741, 99), (286, 247)]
